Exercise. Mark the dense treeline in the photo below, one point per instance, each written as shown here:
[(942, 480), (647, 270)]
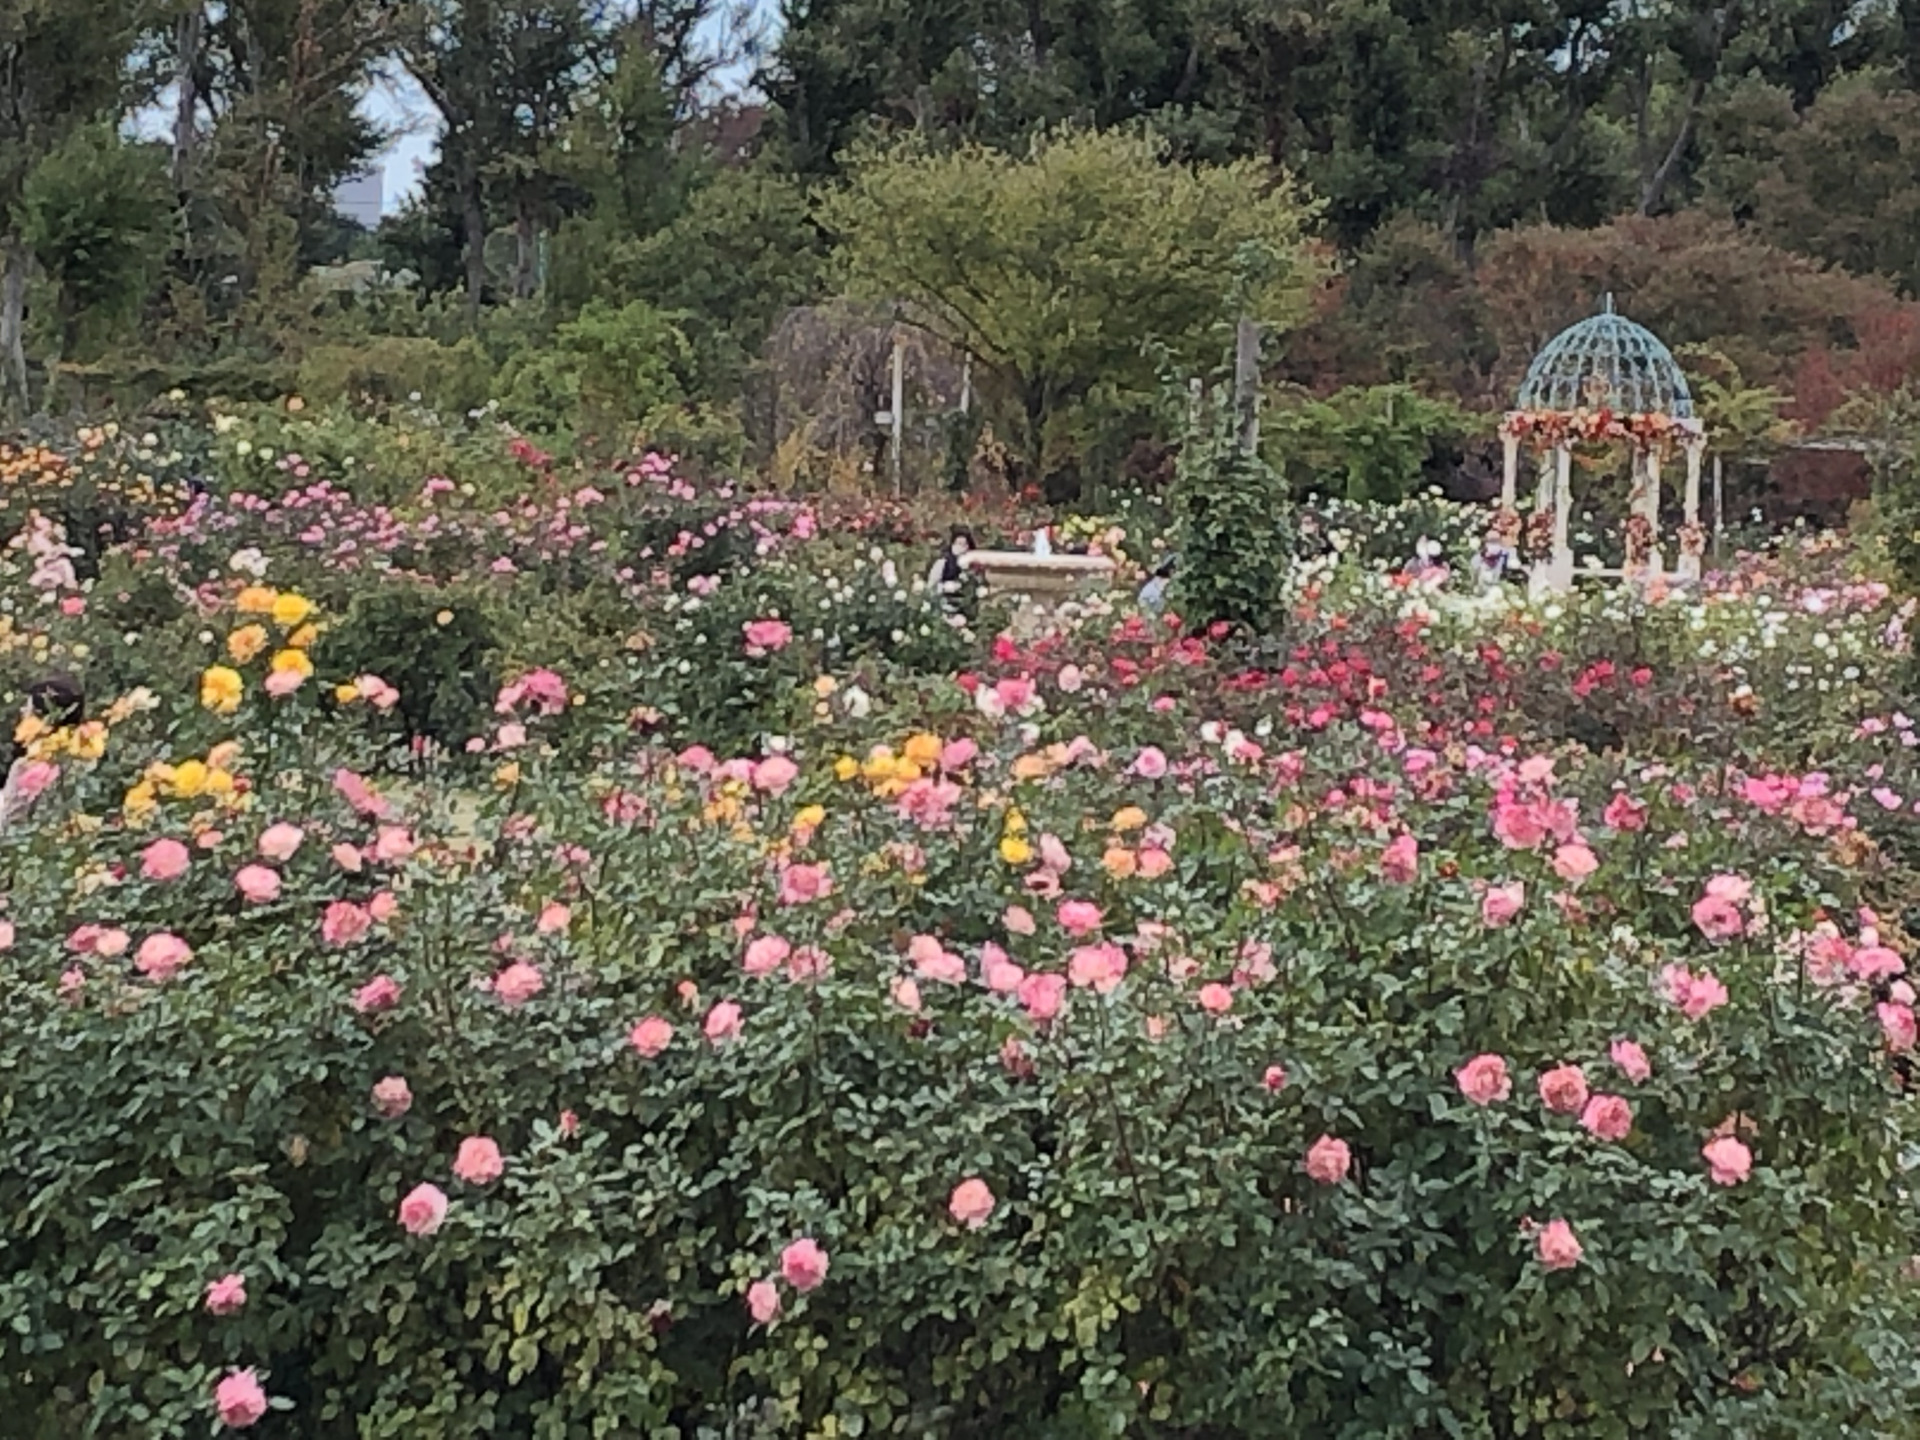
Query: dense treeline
[(610, 237)]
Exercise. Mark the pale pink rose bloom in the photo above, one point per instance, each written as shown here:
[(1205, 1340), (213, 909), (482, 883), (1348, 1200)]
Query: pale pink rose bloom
[(73, 982), (1574, 862), (1101, 967), (764, 636), (1484, 1079), (33, 778), (510, 736), (804, 1264), (380, 993), (1018, 920), (1718, 918), (1042, 995), (1624, 813), (1518, 827), (227, 1295), (161, 956), (905, 993), (258, 883), (424, 1209), (1054, 856), (1696, 995), (933, 961), (775, 774), (392, 1097), (1897, 1024), (1607, 1116), (1734, 889), (1557, 1246), (393, 842), (6, 934), (763, 1302), (765, 955), (958, 754), (803, 884), (1501, 903), (1328, 1160), (569, 1124), (1275, 1078), (1631, 1060), (650, 1036), (1154, 862), (1014, 1059), (1876, 962), (347, 857), (518, 983), (210, 839), (1729, 1160), (723, 1022), (1400, 864), (971, 1203), (282, 683), (345, 922), (383, 906), (1564, 1089), (1150, 763), (279, 842), (1216, 999), (809, 962), (478, 1162), (111, 943), (239, 1400), (165, 860), (1001, 974), (554, 917), (1079, 917)]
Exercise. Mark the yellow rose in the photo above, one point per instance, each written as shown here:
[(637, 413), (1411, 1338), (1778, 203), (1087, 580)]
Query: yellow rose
[(507, 775), (189, 779), (811, 817), (1120, 862), (1131, 817), (219, 782), (220, 689), (89, 741), (1014, 850), (255, 600), (294, 660), (303, 638), (140, 799), (246, 642), (30, 729), (845, 768), (346, 693), (923, 750), (1015, 823), (289, 610), (878, 765)]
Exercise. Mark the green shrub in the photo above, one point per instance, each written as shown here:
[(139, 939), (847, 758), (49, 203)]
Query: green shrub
[(436, 647)]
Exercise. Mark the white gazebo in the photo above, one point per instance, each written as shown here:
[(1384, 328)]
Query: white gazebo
[(1604, 382)]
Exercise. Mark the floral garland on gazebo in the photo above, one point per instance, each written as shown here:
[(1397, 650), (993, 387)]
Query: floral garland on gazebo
[(1545, 429)]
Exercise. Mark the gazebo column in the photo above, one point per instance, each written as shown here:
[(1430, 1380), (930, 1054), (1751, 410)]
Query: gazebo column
[(1510, 476), (1656, 564), (1556, 576), (1691, 539)]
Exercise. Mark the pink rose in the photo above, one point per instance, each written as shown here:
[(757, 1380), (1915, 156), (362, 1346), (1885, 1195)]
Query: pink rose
[(1042, 995), (1099, 967), (723, 1022), (1216, 999), (518, 983), (111, 943), (6, 934), (774, 774), (1501, 903), (1697, 995), (809, 962), (393, 842), (478, 1162), (1018, 920), (765, 955), (804, 1264), (1564, 1090), (1631, 1061), (282, 683), (1623, 813), (1607, 1116), (905, 993), (1001, 975), (1735, 889), (345, 922), (392, 1097), (1400, 863), (803, 884), (165, 860), (378, 994), (763, 1302), (1574, 862), (1484, 1079), (1275, 1079), (933, 961), (1897, 1024), (1154, 862), (1150, 764), (650, 1036), (161, 956), (227, 1295), (347, 857), (278, 842), (1875, 962), (1054, 856), (1729, 1160), (424, 1209), (1328, 1160), (553, 918), (971, 1203), (766, 636), (1079, 917), (1557, 1246), (258, 884), (958, 754), (1718, 918), (1518, 827), (239, 1400), (383, 907)]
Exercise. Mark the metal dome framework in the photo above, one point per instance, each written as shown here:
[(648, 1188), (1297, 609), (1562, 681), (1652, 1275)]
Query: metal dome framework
[(1607, 361), (1604, 380)]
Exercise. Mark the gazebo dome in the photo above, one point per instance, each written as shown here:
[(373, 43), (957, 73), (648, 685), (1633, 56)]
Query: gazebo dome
[(1608, 362)]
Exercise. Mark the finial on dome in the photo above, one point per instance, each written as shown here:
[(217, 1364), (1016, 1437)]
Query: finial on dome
[(1609, 302)]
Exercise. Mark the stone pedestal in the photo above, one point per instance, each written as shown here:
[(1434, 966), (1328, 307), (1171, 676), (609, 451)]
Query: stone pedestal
[(1042, 580)]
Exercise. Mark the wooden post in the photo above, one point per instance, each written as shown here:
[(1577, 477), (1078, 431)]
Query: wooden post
[(1246, 382), (898, 442)]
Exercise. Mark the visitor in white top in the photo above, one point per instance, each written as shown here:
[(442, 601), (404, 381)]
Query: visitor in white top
[(1153, 594)]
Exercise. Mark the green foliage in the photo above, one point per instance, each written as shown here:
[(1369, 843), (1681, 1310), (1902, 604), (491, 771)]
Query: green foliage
[(1375, 444), (608, 367), (1232, 516), (436, 647), (1069, 268)]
